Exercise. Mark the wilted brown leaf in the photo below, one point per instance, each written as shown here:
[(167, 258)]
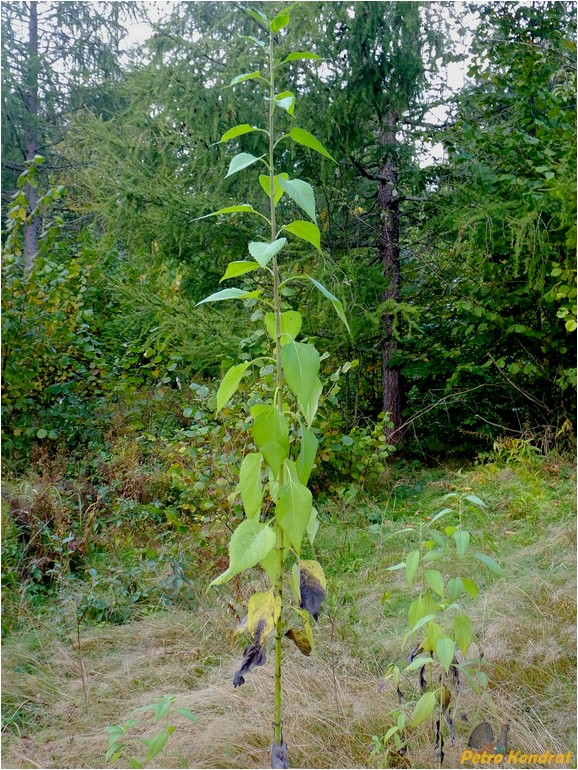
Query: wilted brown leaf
[(301, 640)]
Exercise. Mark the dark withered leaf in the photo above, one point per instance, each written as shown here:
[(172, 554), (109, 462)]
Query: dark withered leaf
[(301, 640), (482, 735), (422, 679), (450, 722), (312, 586), (279, 755), (253, 655), (439, 744)]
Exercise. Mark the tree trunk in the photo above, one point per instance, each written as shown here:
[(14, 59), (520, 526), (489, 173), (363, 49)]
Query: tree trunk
[(389, 254), (31, 141)]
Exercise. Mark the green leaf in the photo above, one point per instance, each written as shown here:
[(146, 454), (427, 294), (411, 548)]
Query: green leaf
[(454, 588), (241, 161), (411, 562), (286, 101), (303, 137), (463, 632), (306, 459), (418, 663), (294, 505), (186, 713), (445, 650), (242, 208), (229, 294), (250, 484), (290, 322), (307, 231), (235, 269), (470, 587), (476, 501), (313, 525), (255, 14), (264, 181), (280, 21), (296, 55), (423, 606), (301, 366), (263, 253), (423, 708), (333, 299), (41, 433), (490, 563), (462, 539), (157, 744), (250, 543), (302, 193), (241, 78), (271, 434), (263, 612), (435, 581), (243, 128)]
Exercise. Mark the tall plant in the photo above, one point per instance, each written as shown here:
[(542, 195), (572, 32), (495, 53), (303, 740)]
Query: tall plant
[(273, 479)]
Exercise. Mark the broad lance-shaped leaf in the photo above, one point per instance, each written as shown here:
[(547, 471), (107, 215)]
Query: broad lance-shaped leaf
[(445, 649), (313, 586), (302, 193), (297, 55), (307, 231), (250, 484), (310, 408), (293, 508), (280, 21), (232, 293), (241, 161), (423, 708), (249, 543), (463, 632), (301, 366), (285, 100), (332, 298), (263, 611), (271, 434), (306, 459), (313, 525), (240, 130), (230, 383), (290, 322), (241, 208), (241, 78), (263, 253), (265, 182), (234, 269), (303, 137)]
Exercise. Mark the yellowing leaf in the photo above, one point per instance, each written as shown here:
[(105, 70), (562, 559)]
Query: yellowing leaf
[(263, 612)]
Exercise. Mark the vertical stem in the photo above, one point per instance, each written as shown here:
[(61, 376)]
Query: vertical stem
[(31, 140), (279, 384)]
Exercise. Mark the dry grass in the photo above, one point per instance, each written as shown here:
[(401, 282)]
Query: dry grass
[(333, 701)]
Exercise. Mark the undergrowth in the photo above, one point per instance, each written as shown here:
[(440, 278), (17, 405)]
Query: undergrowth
[(127, 621)]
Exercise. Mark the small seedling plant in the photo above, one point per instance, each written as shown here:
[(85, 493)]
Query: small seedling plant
[(121, 737), (443, 568), (278, 505)]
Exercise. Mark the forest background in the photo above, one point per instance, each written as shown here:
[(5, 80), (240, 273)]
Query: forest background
[(457, 276)]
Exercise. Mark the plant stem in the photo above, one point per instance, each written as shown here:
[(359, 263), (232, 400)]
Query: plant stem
[(279, 390)]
